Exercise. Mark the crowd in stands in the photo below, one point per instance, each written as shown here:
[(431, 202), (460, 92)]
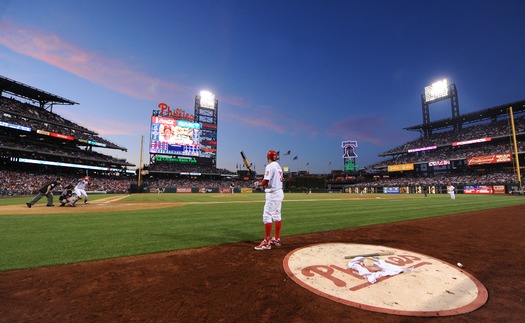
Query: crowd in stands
[(26, 183), (452, 153), (492, 178), (40, 150), (444, 140), (177, 167), (18, 182), (25, 114), (22, 183), (206, 183), (493, 129)]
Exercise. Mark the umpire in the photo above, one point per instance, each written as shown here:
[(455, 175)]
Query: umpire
[(47, 191)]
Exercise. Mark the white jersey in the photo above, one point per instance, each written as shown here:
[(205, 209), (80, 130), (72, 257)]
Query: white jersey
[(82, 184), (274, 174), (451, 191), (80, 189)]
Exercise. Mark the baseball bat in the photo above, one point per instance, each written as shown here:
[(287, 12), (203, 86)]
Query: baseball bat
[(385, 253)]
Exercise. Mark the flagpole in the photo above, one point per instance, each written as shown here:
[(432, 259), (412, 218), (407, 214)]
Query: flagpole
[(516, 158), (140, 162)]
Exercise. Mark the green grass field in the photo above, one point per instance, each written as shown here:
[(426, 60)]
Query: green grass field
[(35, 240)]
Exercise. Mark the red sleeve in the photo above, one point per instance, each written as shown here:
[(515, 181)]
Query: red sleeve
[(264, 183)]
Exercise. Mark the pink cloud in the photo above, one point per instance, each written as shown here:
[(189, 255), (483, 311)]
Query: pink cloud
[(118, 76), (268, 118), (236, 101), (262, 122), (96, 68), (372, 129)]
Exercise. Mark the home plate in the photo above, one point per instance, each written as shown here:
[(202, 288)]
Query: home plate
[(424, 286)]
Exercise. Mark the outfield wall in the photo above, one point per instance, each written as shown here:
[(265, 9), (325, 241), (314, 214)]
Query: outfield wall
[(416, 189), (409, 189), (437, 189)]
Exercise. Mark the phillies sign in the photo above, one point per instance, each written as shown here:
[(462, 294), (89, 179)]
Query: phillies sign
[(178, 114)]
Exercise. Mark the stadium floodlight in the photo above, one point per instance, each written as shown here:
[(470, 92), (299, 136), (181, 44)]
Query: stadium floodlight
[(436, 91), (207, 100)]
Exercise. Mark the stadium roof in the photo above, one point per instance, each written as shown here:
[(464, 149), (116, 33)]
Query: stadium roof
[(489, 113), (31, 93)]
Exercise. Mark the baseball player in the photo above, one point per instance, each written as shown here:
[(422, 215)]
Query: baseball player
[(80, 189), (67, 197), (273, 186), (47, 191), (451, 190)]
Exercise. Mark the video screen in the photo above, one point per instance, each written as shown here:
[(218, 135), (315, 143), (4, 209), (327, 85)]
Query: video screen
[(174, 137)]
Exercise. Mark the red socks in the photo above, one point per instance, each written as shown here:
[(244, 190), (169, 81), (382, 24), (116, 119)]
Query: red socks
[(278, 225), (267, 231)]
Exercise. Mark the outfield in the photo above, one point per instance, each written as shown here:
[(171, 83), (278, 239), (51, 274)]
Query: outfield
[(112, 226)]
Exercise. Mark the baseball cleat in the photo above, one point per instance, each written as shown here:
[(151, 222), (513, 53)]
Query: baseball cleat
[(275, 242), (28, 205), (264, 245)]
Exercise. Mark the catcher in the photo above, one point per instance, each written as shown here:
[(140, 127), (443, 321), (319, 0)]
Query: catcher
[(67, 197)]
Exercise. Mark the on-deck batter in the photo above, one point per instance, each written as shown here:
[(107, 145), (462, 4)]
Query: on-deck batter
[(273, 186)]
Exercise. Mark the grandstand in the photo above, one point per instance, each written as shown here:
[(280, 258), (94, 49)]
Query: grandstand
[(36, 142), (475, 151), (471, 150)]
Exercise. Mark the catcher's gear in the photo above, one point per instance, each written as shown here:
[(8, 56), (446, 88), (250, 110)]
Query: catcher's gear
[(272, 155), (66, 194), (68, 199), (73, 199)]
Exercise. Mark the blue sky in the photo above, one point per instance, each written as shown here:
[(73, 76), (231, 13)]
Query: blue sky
[(289, 74)]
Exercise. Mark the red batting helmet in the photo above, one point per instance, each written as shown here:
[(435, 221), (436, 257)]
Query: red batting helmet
[(272, 155)]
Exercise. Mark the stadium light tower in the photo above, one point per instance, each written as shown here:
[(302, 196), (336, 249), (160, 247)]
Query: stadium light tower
[(207, 100), (436, 92), (207, 114)]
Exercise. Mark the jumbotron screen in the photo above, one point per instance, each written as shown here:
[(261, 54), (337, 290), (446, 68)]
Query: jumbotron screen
[(171, 136)]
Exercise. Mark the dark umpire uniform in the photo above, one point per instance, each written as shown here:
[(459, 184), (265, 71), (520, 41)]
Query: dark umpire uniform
[(47, 191)]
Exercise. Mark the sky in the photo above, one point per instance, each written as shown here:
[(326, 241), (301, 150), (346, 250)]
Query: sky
[(298, 75)]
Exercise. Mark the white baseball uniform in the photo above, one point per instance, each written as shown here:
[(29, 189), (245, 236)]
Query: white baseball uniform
[(80, 188), (451, 191), (274, 192)]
